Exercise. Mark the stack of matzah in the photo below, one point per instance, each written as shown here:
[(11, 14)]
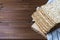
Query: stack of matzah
[(46, 16)]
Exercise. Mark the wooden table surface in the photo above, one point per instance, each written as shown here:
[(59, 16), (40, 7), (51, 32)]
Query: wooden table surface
[(15, 19)]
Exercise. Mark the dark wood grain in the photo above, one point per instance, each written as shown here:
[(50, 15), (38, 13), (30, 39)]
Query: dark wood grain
[(15, 19)]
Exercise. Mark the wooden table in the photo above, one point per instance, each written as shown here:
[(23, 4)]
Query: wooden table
[(15, 19)]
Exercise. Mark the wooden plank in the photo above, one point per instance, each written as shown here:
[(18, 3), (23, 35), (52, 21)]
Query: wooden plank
[(15, 19), (12, 30)]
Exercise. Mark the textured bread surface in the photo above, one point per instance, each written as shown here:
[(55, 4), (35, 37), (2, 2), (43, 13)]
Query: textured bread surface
[(47, 16)]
